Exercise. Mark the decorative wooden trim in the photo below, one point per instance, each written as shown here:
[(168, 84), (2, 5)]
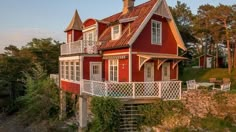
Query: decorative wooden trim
[(160, 62), (142, 61), (175, 62)]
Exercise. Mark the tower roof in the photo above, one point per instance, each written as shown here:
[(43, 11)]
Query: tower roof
[(76, 23)]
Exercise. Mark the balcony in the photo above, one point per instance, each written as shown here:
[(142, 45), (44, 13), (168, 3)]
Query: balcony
[(167, 90), (80, 46)]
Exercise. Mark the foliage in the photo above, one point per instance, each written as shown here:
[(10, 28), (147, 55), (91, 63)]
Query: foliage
[(153, 114), (220, 98), (14, 62), (41, 100), (211, 123), (106, 114)]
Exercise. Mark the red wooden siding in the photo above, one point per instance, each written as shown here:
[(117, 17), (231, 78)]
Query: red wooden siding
[(143, 42), (89, 22), (77, 35), (86, 65), (101, 28), (69, 33), (70, 87)]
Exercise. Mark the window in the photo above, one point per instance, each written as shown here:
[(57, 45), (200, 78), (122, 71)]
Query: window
[(62, 70), (67, 70), (95, 69), (149, 72), (77, 74), (72, 71), (156, 32), (113, 70), (116, 32)]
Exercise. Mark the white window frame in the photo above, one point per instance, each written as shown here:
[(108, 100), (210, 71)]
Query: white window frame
[(117, 35), (67, 70), (77, 75), (72, 70), (160, 40), (62, 66), (109, 68)]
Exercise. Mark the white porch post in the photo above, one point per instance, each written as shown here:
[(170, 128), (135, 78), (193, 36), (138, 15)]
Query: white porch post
[(62, 105), (83, 115)]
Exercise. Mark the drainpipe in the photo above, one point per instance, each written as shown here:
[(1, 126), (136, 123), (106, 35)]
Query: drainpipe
[(130, 64)]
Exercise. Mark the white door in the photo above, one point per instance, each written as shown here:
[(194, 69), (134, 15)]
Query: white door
[(209, 60), (148, 72), (166, 71), (96, 71)]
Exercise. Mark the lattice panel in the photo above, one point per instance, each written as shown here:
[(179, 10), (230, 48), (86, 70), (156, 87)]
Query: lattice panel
[(171, 90), (147, 89), (99, 88), (87, 87), (120, 90)]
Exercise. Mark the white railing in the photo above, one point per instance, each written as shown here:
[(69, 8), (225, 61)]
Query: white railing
[(167, 90), (55, 78), (80, 46)]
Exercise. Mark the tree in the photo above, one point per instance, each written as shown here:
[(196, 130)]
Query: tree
[(41, 100), (223, 15), (46, 52), (183, 18)]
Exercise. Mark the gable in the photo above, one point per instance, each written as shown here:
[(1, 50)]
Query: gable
[(162, 10)]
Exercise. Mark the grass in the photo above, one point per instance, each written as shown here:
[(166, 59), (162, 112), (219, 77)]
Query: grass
[(204, 74)]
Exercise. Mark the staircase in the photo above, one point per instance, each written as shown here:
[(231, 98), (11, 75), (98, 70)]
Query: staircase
[(129, 115)]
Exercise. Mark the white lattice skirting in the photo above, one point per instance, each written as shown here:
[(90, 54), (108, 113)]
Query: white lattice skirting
[(167, 90)]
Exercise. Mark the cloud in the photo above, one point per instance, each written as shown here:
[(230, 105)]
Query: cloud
[(20, 37)]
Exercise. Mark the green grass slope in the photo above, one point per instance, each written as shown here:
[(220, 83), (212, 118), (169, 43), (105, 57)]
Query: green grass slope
[(205, 74)]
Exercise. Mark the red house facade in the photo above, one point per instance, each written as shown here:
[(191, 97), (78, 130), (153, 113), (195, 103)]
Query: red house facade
[(121, 55)]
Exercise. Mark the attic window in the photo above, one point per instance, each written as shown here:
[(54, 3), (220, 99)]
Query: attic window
[(156, 32), (116, 32)]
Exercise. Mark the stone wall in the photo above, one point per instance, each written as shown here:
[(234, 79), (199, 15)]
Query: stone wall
[(200, 103)]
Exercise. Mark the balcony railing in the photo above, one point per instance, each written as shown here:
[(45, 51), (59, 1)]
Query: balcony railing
[(80, 46), (167, 90)]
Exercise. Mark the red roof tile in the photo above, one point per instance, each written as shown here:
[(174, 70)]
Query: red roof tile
[(141, 11)]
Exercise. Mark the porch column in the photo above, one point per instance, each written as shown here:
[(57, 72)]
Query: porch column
[(83, 115), (62, 105)]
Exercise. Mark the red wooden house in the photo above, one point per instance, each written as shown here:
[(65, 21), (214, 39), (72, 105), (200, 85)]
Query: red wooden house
[(132, 54)]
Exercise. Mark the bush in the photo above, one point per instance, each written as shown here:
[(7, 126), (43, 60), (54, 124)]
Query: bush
[(106, 114), (153, 114)]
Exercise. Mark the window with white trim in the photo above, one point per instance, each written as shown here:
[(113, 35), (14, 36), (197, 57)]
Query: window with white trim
[(62, 70), (77, 73), (115, 32), (156, 32), (67, 70), (113, 70), (72, 71)]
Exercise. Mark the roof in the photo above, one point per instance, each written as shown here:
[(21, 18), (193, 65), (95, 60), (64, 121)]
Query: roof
[(162, 56), (140, 11), (140, 14), (76, 23)]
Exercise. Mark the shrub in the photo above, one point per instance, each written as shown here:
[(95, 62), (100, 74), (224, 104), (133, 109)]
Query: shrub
[(153, 114), (106, 114)]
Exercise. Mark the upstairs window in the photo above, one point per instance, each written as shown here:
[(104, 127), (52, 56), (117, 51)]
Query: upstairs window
[(156, 32), (116, 32)]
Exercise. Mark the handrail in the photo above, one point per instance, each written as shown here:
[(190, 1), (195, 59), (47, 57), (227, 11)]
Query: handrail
[(168, 90)]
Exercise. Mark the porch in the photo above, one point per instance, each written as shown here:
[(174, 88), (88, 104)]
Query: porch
[(167, 90), (80, 46)]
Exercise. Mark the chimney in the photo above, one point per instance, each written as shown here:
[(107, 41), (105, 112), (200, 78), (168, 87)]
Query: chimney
[(128, 6)]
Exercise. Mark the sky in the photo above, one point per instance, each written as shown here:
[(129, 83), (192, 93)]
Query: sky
[(22, 20)]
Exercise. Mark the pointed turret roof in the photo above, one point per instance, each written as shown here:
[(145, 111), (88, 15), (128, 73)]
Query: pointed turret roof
[(76, 23)]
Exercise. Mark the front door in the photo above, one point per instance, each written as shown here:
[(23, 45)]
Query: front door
[(209, 60), (148, 72), (96, 71), (166, 71)]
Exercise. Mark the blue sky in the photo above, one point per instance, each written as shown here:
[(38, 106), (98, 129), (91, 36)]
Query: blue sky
[(21, 20)]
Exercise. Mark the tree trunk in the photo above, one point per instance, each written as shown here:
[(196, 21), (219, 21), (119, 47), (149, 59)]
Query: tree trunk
[(229, 57), (234, 55), (217, 56)]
